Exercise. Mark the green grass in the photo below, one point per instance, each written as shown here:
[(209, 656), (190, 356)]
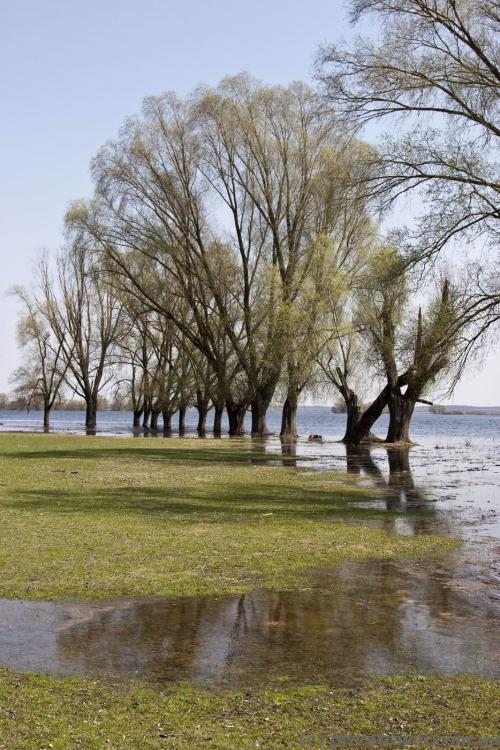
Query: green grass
[(102, 517), (64, 713)]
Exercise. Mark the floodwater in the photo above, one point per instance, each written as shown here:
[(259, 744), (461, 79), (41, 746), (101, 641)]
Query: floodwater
[(358, 620), (311, 419), (344, 624)]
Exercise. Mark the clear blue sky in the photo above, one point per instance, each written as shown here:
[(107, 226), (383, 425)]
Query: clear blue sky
[(71, 72)]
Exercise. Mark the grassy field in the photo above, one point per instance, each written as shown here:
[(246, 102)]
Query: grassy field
[(45, 712), (103, 517)]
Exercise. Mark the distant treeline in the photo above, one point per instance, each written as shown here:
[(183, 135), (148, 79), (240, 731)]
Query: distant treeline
[(479, 411), (8, 403)]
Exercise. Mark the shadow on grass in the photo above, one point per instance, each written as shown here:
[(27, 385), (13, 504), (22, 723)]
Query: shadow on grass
[(234, 455), (222, 504)]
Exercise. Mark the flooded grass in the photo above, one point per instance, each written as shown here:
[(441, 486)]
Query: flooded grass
[(105, 517)]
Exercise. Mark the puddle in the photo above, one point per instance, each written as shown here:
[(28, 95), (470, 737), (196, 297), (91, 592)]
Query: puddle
[(357, 620)]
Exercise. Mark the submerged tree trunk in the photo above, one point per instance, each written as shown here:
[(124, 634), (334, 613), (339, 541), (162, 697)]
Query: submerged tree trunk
[(401, 411), (358, 423), (46, 417), (91, 413), (137, 418), (289, 418), (218, 412), (167, 422), (147, 414), (155, 413), (236, 417), (182, 419), (361, 428), (353, 415)]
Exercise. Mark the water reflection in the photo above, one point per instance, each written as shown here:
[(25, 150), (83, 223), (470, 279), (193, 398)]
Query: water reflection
[(289, 450), (368, 618), (400, 481)]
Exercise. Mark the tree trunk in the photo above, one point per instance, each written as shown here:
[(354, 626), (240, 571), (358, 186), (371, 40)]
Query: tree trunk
[(289, 418), (401, 410), (353, 415), (361, 429), (46, 417), (167, 422), (201, 427), (91, 413), (217, 429), (202, 407), (155, 413), (137, 419), (260, 405), (236, 417), (182, 419), (145, 419)]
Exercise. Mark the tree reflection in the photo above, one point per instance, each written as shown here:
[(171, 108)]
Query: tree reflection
[(374, 617)]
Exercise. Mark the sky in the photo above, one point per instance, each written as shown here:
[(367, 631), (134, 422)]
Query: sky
[(71, 72)]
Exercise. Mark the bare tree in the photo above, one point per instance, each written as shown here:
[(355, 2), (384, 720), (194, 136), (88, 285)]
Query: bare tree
[(85, 316), (44, 368)]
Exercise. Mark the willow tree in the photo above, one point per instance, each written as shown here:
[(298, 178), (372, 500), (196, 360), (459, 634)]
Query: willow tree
[(432, 75), (342, 237), (220, 191), (266, 150), (343, 364), (413, 349), (133, 357), (340, 359)]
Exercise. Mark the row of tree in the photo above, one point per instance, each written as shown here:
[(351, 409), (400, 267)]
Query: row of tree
[(231, 253)]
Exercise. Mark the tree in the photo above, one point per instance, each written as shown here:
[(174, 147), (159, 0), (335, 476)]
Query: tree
[(253, 154), (340, 358), (435, 66), (413, 350), (44, 369), (340, 242), (84, 315), (134, 355), (266, 149)]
